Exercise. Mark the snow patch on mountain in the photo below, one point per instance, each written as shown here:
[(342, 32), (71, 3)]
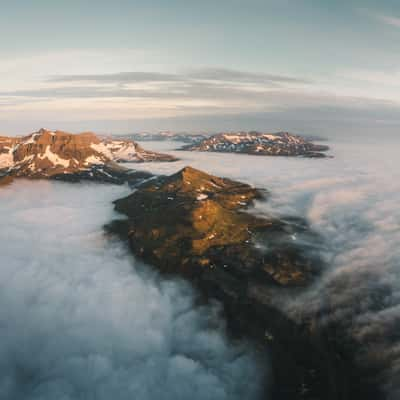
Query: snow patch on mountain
[(102, 148), (54, 158), (6, 159)]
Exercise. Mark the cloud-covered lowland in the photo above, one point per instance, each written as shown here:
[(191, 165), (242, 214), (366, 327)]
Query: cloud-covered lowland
[(80, 319), (352, 200)]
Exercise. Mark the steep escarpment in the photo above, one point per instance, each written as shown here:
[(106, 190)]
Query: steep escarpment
[(47, 154), (263, 144)]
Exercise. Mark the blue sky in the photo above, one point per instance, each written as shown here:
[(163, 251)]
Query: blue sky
[(131, 65)]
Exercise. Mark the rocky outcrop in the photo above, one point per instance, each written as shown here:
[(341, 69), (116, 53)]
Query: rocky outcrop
[(263, 144), (191, 221), (47, 154), (198, 226)]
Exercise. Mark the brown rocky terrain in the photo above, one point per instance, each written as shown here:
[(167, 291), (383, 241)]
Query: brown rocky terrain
[(190, 221), (46, 154), (196, 225)]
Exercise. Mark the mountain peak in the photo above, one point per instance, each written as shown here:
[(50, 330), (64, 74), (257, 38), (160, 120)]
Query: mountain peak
[(178, 224), (44, 130), (45, 153), (188, 172)]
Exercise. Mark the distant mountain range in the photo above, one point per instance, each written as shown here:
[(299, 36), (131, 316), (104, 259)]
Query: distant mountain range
[(48, 154), (265, 144), (66, 156), (167, 135)]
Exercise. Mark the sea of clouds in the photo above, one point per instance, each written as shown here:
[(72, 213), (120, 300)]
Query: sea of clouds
[(81, 319), (353, 201)]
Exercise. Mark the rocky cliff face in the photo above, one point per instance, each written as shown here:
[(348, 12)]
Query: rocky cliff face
[(45, 154), (271, 144)]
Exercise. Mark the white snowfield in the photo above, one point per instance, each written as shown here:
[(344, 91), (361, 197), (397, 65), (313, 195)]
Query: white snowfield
[(93, 160), (54, 158), (102, 148), (122, 151)]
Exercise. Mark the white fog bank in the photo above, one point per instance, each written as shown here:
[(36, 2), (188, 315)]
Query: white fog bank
[(80, 319), (353, 200)]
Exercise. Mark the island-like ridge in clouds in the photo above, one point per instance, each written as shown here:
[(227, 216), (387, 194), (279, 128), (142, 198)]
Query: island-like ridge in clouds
[(203, 199), (195, 225), (266, 144)]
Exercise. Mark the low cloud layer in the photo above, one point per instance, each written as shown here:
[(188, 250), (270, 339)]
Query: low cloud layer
[(201, 86), (80, 319), (353, 201), (70, 302)]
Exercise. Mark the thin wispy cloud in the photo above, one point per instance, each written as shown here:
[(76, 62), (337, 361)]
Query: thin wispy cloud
[(203, 74), (120, 77), (225, 74), (191, 91), (192, 95), (389, 20), (208, 92), (392, 20)]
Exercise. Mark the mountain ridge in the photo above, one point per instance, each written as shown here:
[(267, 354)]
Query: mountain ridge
[(262, 144), (46, 153), (195, 225)]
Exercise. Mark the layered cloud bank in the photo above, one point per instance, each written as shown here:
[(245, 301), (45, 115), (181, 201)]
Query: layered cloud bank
[(353, 201), (80, 319), (80, 96), (358, 213), (76, 316)]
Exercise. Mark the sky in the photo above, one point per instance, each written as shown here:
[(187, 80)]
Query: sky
[(124, 66)]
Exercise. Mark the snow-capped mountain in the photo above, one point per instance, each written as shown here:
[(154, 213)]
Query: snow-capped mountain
[(46, 153), (272, 144)]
